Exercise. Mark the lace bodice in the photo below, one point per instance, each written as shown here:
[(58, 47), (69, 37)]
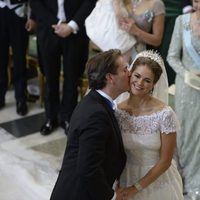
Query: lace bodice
[(141, 134), (163, 121), (141, 138)]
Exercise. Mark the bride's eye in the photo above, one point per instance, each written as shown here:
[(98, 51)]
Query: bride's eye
[(137, 75), (148, 81)]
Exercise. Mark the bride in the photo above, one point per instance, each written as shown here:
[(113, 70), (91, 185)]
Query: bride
[(148, 129)]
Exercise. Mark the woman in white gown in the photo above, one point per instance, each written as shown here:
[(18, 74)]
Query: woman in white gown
[(128, 25), (148, 129)]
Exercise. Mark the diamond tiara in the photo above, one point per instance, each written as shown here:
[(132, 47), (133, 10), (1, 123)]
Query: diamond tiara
[(154, 55)]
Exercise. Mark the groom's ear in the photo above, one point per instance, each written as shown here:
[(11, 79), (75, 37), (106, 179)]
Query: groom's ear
[(109, 78)]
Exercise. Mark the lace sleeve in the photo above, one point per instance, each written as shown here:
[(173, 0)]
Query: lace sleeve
[(169, 122), (175, 48), (159, 8)]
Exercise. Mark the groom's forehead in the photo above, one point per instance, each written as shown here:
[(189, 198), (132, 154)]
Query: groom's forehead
[(121, 64)]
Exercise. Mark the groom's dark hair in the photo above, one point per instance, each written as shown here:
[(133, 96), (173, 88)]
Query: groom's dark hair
[(100, 65)]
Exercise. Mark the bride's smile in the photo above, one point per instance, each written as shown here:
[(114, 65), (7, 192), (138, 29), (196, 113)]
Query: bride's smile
[(142, 80)]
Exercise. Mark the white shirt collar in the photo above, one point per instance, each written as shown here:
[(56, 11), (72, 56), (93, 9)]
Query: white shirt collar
[(107, 97)]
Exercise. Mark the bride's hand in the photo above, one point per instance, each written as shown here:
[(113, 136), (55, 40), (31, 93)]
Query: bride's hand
[(128, 192), (119, 194)]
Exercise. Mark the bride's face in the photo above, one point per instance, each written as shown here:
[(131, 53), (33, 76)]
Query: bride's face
[(196, 5), (142, 80)]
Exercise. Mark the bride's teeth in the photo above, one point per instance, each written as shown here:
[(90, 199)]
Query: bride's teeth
[(138, 88)]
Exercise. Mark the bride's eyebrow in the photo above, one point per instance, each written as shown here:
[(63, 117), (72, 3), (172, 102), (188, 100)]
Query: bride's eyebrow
[(138, 74), (148, 79)]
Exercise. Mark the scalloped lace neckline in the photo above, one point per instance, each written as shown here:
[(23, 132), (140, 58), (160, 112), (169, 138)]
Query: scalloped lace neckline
[(147, 115)]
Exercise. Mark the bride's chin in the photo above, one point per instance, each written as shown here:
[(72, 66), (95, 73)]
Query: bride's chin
[(134, 92)]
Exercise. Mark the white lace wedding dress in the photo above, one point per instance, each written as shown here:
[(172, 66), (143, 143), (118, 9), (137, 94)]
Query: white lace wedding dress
[(141, 137)]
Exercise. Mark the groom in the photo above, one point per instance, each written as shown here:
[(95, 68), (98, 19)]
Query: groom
[(94, 157)]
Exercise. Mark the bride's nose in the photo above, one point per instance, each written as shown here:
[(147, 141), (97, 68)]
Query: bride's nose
[(140, 82)]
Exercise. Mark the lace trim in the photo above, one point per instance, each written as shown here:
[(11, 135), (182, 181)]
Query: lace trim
[(162, 121)]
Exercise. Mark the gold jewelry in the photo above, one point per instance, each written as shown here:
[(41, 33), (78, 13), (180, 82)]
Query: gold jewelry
[(138, 186)]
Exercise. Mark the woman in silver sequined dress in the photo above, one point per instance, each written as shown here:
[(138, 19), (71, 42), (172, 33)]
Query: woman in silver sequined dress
[(145, 23), (184, 58)]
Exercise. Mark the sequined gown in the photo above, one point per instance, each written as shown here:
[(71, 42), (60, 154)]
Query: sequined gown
[(141, 138), (187, 108), (145, 20)]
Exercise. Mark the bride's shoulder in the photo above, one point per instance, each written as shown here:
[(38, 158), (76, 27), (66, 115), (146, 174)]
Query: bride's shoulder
[(158, 105), (123, 106), (162, 109), (123, 110)]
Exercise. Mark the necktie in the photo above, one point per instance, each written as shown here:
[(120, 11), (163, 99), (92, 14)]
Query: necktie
[(110, 104)]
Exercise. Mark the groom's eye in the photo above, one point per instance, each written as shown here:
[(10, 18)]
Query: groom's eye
[(126, 67)]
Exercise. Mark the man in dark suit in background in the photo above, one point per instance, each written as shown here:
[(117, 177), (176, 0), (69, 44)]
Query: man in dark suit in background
[(13, 19), (94, 157), (62, 39)]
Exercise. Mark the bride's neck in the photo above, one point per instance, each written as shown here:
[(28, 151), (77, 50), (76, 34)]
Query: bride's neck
[(197, 12), (139, 102)]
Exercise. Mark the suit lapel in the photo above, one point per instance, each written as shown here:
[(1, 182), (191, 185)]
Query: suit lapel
[(102, 101), (116, 126)]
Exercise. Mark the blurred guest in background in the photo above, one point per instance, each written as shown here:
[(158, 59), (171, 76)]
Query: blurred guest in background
[(145, 22), (13, 19), (184, 58), (173, 9), (63, 43)]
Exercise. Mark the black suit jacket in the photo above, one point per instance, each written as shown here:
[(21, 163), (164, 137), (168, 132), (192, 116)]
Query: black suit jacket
[(77, 10), (73, 49), (94, 156)]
